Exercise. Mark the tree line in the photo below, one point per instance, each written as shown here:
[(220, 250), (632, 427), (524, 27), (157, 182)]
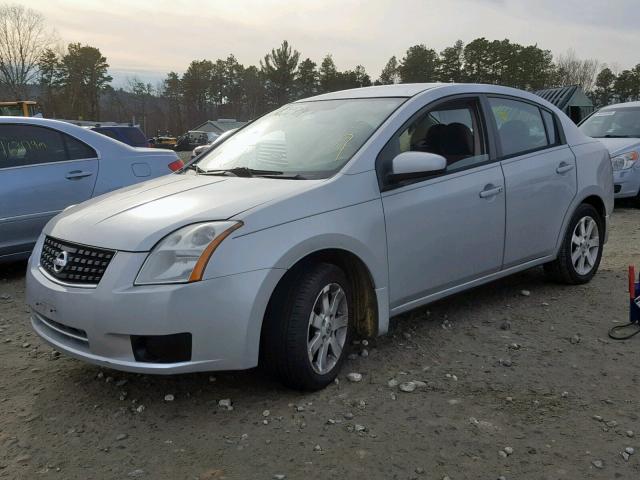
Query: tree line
[(73, 82)]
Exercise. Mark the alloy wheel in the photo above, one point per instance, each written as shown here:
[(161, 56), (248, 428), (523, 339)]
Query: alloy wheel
[(327, 332), (585, 245)]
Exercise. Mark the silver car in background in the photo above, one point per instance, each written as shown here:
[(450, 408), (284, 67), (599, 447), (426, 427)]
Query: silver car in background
[(320, 221), (47, 165), (618, 128)]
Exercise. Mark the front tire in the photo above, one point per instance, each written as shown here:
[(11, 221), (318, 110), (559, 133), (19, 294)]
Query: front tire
[(308, 327), (581, 251)]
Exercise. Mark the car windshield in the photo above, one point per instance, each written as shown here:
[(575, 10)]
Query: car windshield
[(613, 123), (310, 139)]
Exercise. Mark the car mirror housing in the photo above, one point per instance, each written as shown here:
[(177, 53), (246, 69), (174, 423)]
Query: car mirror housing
[(410, 165)]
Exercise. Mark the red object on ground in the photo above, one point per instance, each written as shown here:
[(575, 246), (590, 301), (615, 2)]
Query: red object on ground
[(632, 282)]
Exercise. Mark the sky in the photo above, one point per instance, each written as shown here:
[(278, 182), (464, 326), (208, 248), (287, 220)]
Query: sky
[(148, 38)]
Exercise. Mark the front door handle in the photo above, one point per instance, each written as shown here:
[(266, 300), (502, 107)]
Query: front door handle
[(76, 174), (564, 167), (490, 191)]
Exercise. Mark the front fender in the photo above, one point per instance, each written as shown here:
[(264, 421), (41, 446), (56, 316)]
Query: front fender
[(358, 229)]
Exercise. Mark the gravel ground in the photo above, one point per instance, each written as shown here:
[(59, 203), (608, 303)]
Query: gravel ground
[(515, 380)]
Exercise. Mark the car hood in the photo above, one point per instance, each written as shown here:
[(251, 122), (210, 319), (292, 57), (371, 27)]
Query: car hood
[(137, 217), (617, 146)]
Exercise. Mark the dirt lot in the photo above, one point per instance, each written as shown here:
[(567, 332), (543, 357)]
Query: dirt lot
[(535, 373)]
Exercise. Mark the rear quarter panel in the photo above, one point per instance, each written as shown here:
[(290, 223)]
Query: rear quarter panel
[(120, 167), (594, 176)]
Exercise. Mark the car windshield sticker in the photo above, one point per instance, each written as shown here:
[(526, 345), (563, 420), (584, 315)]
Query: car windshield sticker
[(605, 114)]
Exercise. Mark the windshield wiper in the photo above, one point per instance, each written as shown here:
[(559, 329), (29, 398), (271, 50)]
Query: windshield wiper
[(252, 172), (242, 172), (196, 167), (284, 176)]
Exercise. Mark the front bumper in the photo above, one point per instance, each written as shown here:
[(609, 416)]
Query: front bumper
[(626, 182), (223, 315)]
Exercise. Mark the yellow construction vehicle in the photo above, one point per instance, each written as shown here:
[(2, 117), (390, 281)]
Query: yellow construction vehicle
[(19, 108)]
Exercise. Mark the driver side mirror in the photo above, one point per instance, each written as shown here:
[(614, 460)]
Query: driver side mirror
[(410, 165)]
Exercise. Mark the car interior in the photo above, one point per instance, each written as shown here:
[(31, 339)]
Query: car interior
[(450, 131)]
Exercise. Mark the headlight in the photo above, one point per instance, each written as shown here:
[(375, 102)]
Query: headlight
[(182, 256), (624, 161)]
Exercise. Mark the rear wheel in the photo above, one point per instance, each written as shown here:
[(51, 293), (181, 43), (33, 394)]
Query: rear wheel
[(581, 250), (308, 327)]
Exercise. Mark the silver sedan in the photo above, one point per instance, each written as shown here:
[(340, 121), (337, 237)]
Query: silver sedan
[(319, 222), (47, 165)]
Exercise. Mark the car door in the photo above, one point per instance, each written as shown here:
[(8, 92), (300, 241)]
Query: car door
[(540, 177), (447, 230), (42, 171)]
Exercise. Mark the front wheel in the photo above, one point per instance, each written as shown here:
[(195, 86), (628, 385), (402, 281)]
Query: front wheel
[(308, 327), (581, 249)]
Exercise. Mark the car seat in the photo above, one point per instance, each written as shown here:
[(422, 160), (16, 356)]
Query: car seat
[(456, 142)]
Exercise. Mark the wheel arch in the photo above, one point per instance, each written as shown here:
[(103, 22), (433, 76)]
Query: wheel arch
[(596, 202), (359, 275), (590, 198)]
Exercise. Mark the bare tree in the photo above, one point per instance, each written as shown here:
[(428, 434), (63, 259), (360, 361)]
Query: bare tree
[(23, 39), (572, 70)]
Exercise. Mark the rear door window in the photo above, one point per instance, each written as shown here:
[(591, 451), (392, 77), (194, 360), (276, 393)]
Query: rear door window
[(521, 128), (77, 150), (23, 145)]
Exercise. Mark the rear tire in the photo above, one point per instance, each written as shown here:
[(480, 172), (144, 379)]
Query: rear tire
[(581, 251), (308, 325)]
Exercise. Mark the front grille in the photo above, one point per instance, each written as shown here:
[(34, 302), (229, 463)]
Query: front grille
[(74, 263)]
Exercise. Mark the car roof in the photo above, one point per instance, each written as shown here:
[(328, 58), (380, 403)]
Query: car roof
[(407, 90), (95, 139), (37, 121), (115, 126), (378, 91)]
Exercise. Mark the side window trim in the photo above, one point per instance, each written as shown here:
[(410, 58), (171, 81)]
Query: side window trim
[(546, 127), (494, 126), (560, 138), (487, 141)]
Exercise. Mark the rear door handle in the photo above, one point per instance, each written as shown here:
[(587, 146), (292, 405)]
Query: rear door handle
[(564, 167), (76, 174), (490, 191)]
